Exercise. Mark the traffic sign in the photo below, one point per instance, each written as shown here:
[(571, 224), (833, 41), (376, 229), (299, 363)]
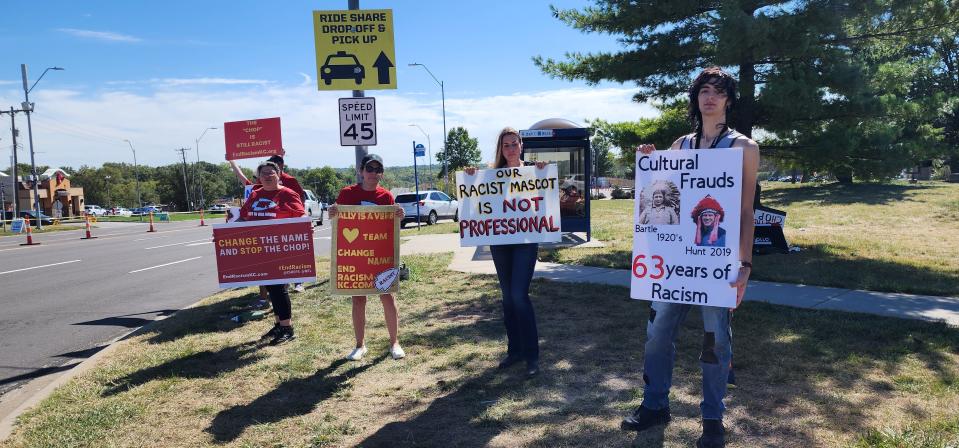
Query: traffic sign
[(358, 121), (419, 150), (354, 49)]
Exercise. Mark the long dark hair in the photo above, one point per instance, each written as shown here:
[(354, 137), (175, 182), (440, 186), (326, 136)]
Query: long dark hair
[(721, 81)]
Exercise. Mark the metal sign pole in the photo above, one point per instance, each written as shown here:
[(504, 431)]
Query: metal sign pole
[(416, 183), (361, 151)]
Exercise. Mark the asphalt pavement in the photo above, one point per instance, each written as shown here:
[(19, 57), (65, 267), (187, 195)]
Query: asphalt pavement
[(64, 299)]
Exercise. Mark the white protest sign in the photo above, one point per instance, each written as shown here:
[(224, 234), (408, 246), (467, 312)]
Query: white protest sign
[(509, 206), (358, 121), (686, 226)]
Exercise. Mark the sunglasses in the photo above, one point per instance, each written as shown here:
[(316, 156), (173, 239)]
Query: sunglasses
[(373, 169)]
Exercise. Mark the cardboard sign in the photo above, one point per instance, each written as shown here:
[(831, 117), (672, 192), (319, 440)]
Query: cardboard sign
[(509, 206), (17, 226), (269, 252), (366, 250), (253, 138), (686, 232), (354, 49)]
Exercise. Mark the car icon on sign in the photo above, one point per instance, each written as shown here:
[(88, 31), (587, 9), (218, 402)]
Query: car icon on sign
[(342, 65)]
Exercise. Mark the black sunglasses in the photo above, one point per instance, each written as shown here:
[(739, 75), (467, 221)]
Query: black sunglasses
[(373, 169)]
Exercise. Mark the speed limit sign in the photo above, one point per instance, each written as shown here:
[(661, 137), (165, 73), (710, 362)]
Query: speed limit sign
[(358, 121)]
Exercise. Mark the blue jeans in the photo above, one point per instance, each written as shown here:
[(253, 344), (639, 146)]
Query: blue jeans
[(514, 267), (664, 322)]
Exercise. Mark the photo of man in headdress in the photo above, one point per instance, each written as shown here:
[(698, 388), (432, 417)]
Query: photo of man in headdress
[(707, 215), (659, 203)]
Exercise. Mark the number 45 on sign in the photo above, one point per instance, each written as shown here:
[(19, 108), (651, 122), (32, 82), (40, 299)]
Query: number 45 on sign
[(357, 121)]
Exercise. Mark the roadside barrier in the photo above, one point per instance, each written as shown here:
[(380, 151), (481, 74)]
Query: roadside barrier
[(151, 224), (89, 235), (29, 235)]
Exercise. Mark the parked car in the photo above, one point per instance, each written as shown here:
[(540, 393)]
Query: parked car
[(146, 210), (45, 219), (433, 205), (218, 208), (314, 208), (94, 210), (576, 180), (122, 211)]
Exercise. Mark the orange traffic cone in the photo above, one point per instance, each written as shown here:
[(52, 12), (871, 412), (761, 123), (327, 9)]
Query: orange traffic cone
[(29, 235), (89, 236), (151, 224), (202, 224)]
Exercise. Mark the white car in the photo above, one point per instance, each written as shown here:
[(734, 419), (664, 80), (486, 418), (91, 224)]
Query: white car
[(313, 207), (122, 211), (94, 210), (433, 205)]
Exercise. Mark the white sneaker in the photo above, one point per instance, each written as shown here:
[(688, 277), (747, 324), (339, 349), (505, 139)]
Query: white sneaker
[(298, 287), (397, 352), (357, 354)]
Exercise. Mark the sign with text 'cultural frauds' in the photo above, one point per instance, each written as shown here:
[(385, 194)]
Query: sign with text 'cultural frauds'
[(686, 226), (509, 206), (249, 139), (366, 250), (269, 252), (354, 49)]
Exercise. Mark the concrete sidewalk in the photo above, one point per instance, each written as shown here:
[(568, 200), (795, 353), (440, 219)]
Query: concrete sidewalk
[(907, 306)]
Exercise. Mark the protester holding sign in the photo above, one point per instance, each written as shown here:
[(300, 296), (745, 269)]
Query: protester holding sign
[(369, 192), (711, 95), (274, 201), (515, 264)]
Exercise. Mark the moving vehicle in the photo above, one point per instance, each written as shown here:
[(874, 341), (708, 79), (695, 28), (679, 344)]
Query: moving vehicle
[(342, 65), (314, 208), (94, 210), (145, 210), (433, 205)]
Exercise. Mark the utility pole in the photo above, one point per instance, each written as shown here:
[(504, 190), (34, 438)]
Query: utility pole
[(14, 132), (186, 187)]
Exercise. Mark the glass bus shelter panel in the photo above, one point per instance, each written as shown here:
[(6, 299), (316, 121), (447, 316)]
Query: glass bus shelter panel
[(571, 175)]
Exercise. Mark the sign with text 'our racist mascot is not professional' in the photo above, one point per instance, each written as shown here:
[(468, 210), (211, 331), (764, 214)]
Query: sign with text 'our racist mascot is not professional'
[(509, 206), (686, 226)]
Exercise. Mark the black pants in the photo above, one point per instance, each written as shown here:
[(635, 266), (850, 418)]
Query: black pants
[(281, 301)]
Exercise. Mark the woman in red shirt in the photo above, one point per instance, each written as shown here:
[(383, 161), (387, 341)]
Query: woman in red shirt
[(369, 192), (274, 201)]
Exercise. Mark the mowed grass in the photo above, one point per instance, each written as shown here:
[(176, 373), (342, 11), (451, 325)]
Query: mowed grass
[(440, 227), (883, 237), (5, 230), (805, 378)]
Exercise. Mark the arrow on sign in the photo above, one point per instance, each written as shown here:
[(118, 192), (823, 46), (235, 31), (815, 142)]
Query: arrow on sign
[(383, 65)]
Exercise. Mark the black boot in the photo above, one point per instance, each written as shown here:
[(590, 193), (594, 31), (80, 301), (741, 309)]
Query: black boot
[(714, 435), (644, 418)]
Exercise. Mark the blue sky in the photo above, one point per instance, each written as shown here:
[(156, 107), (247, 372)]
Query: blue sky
[(159, 73)]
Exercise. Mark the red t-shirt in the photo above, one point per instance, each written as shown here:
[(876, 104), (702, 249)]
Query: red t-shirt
[(276, 204), (356, 195)]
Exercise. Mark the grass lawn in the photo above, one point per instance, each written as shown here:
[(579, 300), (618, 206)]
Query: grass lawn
[(173, 217), (441, 227), (882, 237), (805, 378), (5, 230)]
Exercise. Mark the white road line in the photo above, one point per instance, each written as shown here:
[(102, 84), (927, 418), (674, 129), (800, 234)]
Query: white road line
[(322, 238), (176, 244), (199, 244), (161, 265), (38, 267)]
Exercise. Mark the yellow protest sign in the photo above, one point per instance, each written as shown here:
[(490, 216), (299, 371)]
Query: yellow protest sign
[(354, 49)]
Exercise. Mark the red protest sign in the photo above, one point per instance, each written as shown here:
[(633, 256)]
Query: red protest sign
[(252, 138), (366, 250), (269, 252)]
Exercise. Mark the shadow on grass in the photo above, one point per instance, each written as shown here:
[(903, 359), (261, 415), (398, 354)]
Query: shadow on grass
[(839, 194), (787, 360), (210, 318), (294, 397), (815, 265), (615, 258), (205, 364)]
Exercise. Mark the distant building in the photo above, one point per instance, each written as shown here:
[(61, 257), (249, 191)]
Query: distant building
[(54, 186)]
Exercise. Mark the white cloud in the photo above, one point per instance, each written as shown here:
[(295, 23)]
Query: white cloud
[(73, 129), (206, 81), (100, 35)]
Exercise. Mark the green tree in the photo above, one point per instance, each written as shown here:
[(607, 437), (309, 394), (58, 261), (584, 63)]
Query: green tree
[(460, 151)]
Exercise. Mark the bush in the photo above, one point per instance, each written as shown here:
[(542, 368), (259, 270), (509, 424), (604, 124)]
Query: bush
[(619, 193), (598, 196)]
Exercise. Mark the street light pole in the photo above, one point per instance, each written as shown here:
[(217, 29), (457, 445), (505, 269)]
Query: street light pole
[(199, 170), (136, 172), (443, 95), (429, 147), (26, 106)]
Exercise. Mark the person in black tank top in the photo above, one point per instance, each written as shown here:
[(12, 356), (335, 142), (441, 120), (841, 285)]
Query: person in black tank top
[(711, 96)]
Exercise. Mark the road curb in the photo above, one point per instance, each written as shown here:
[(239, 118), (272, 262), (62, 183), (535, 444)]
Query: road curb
[(16, 402)]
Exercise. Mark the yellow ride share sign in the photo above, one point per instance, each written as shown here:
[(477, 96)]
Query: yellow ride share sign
[(354, 49)]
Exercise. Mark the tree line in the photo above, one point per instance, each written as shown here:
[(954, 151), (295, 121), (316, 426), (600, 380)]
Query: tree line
[(858, 89)]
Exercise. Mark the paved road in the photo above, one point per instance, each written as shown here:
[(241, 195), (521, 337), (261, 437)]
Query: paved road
[(66, 297)]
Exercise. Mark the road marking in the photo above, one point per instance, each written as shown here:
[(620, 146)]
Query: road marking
[(199, 244), (38, 267), (161, 265), (176, 244), (322, 238)]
